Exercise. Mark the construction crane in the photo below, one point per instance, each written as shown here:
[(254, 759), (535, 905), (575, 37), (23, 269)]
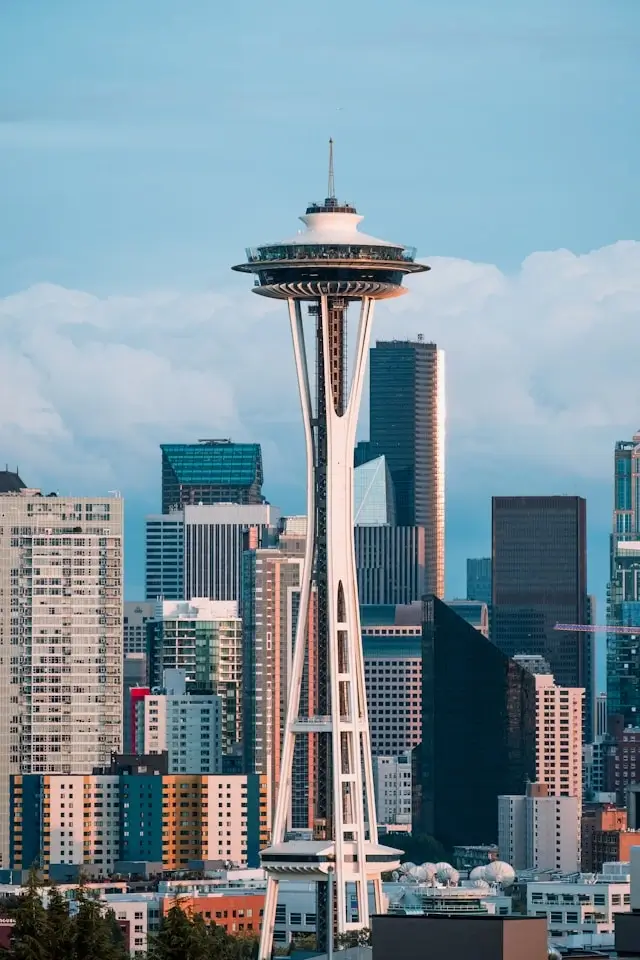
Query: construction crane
[(593, 628)]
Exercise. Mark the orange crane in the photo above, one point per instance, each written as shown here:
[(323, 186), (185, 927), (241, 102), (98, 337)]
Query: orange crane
[(594, 628)]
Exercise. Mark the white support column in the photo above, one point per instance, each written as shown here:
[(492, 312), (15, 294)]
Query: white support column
[(348, 702), (283, 801)]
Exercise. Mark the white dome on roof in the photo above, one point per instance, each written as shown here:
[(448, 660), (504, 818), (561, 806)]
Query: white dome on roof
[(478, 873), (500, 872)]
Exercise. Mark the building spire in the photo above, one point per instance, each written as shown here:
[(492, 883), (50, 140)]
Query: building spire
[(331, 193)]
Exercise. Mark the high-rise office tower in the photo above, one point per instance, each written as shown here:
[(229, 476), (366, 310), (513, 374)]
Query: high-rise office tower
[(390, 560), (215, 538), (407, 427), (204, 638), (392, 647), (272, 580), (327, 266), (390, 564), (373, 494), (197, 551), (61, 620), (210, 471), (623, 594), (479, 579), (478, 730), (539, 578)]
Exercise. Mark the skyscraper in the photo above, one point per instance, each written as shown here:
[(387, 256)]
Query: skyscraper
[(204, 638), (478, 730), (61, 620), (539, 578), (164, 556), (407, 427), (390, 564), (197, 551), (559, 738), (272, 580), (374, 498), (479, 579), (623, 594), (392, 647), (327, 266), (210, 471)]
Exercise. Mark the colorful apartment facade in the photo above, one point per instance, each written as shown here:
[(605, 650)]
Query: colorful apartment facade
[(104, 819)]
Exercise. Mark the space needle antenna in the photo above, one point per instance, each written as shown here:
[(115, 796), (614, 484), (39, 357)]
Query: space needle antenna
[(332, 186)]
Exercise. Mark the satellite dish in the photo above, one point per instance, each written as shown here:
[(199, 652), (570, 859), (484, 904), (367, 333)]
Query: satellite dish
[(500, 872), (447, 874), (479, 884), (477, 873)]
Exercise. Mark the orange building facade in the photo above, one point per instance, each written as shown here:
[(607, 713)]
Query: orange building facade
[(239, 913)]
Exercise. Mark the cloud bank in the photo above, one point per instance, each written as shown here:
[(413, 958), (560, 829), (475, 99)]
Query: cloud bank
[(541, 369)]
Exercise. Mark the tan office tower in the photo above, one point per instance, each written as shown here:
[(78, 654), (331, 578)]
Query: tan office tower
[(271, 586), (60, 636)]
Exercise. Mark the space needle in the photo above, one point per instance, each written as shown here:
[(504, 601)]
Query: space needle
[(327, 266)]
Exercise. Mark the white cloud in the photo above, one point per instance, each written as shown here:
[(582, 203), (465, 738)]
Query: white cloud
[(541, 365)]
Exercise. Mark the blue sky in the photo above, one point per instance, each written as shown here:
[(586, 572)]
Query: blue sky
[(143, 145)]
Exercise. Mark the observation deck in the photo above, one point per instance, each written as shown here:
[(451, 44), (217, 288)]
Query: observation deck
[(330, 258)]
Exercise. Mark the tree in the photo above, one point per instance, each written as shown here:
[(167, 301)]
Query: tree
[(115, 936), (177, 938), (95, 937), (28, 941), (59, 927), (354, 938)]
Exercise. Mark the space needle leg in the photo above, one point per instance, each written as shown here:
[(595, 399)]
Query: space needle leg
[(283, 801), (348, 704)]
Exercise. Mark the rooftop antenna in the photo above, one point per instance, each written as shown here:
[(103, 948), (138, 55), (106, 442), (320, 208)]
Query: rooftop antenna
[(332, 187)]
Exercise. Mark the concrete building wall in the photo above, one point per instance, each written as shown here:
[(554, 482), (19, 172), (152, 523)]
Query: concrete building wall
[(539, 832), (392, 786), (61, 569)]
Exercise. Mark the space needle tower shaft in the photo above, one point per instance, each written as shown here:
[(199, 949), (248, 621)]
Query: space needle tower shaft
[(327, 267)]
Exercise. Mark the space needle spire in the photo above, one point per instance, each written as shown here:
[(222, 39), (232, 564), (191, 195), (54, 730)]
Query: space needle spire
[(331, 191), (328, 266)]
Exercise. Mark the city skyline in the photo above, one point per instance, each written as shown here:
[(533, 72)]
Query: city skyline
[(308, 599), (139, 318)]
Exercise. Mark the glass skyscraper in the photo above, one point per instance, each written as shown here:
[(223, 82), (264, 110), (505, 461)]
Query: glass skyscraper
[(479, 579), (478, 730), (623, 594), (210, 471), (407, 427), (539, 578), (374, 502)]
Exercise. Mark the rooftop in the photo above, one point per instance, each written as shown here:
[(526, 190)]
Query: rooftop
[(10, 482), (214, 462)]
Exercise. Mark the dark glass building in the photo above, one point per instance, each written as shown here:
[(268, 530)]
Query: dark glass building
[(210, 471), (479, 579), (478, 730), (406, 401), (539, 578)]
